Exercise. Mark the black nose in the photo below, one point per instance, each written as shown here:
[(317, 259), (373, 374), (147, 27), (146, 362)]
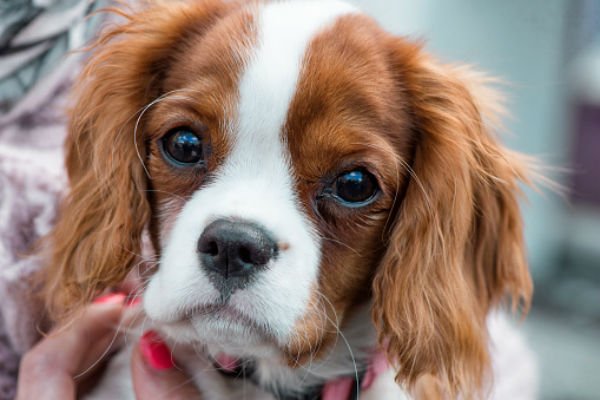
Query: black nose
[(235, 248)]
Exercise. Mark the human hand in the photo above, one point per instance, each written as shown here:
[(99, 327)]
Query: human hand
[(66, 362), (155, 375), (58, 364)]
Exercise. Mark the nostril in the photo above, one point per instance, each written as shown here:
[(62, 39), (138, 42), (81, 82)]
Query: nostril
[(245, 255), (212, 248), (208, 247), (254, 254)]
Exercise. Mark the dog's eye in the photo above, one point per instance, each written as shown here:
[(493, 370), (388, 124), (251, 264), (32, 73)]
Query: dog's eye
[(356, 187), (182, 146)]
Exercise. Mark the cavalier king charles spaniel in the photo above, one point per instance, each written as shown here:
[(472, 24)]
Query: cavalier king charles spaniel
[(318, 193)]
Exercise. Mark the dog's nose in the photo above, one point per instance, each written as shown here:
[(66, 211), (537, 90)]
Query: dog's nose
[(235, 248)]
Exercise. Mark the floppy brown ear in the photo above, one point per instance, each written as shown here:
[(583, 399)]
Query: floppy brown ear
[(97, 237), (456, 246)]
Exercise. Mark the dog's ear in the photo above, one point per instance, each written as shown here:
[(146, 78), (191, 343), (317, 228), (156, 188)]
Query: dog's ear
[(98, 234), (456, 247)]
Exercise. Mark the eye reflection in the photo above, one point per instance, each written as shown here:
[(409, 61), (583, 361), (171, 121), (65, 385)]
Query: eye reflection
[(355, 188), (183, 147)]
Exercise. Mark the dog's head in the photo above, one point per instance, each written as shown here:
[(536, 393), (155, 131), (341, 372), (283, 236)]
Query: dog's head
[(291, 161)]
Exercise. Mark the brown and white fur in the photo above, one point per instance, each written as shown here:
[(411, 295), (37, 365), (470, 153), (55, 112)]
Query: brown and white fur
[(285, 97)]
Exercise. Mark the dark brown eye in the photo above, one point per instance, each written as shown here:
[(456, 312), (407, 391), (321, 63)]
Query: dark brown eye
[(182, 147), (355, 188)]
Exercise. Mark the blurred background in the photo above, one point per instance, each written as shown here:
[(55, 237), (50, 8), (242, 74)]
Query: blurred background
[(548, 52)]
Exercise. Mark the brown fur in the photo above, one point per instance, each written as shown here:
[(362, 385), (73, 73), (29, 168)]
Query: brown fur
[(98, 236), (456, 247), (436, 251), (347, 112)]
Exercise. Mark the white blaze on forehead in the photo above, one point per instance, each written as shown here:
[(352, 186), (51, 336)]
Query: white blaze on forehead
[(258, 166), (269, 82)]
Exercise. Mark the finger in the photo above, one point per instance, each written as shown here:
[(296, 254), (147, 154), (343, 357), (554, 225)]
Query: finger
[(48, 369), (74, 347), (155, 375), (41, 383), (87, 340)]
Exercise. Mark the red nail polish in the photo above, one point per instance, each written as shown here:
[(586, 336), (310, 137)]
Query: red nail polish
[(132, 301), (377, 366), (337, 389), (155, 352), (111, 298), (367, 380)]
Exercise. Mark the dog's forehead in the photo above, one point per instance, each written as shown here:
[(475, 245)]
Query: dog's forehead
[(284, 32), (269, 81), (315, 81)]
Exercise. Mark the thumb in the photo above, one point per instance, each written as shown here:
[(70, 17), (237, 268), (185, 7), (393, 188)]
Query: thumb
[(155, 375)]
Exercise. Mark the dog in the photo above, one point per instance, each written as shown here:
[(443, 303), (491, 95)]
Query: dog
[(318, 193)]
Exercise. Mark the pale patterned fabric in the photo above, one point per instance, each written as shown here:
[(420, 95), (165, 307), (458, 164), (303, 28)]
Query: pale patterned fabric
[(34, 37), (31, 181), (35, 75)]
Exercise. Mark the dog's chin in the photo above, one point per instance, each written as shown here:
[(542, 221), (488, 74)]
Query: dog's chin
[(223, 329)]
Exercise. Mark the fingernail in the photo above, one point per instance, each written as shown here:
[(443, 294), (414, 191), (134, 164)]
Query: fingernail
[(377, 366), (367, 380), (155, 352), (338, 389), (132, 301), (111, 298)]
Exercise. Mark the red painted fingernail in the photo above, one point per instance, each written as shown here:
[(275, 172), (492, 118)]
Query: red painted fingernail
[(133, 300), (111, 298), (377, 366), (155, 352), (338, 389), (367, 380)]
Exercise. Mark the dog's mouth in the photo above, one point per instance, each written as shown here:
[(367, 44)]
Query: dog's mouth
[(222, 311), (225, 318)]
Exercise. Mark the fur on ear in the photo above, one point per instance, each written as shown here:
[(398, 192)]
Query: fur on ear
[(97, 237), (456, 246)]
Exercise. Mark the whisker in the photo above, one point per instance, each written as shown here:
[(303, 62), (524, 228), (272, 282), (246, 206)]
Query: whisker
[(166, 192), (341, 244)]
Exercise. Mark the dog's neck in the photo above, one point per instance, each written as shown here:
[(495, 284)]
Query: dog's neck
[(348, 359)]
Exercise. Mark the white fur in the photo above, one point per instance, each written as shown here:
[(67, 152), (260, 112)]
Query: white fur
[(385, 387), (514, 363), (515, 373)]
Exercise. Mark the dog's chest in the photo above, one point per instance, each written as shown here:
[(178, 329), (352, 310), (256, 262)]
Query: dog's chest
[(514, 373), (117, 384)]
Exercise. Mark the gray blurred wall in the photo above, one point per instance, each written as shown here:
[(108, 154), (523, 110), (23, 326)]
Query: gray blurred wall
[(523, 43)]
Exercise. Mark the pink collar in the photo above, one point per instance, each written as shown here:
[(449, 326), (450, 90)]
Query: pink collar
[(337, 389)]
